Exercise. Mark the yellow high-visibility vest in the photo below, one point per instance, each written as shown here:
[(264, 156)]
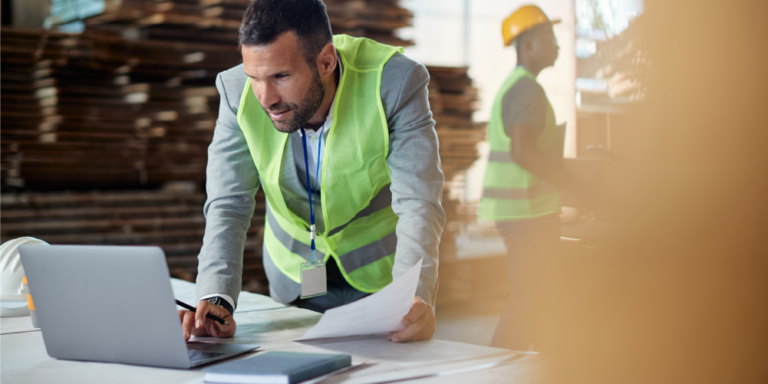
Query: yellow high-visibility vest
[(509, 191), (354, 188)]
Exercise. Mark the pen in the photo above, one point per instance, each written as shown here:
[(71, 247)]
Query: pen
[(212, 317)]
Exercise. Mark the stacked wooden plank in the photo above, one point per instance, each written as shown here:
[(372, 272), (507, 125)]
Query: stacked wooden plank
[(129, 114), (453, 100), (218, 21), (29, 96), (112, 113), (170, 219), (198, 21), (374, 19)]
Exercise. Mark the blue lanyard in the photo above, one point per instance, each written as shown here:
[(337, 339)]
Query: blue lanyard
[(312, 232)]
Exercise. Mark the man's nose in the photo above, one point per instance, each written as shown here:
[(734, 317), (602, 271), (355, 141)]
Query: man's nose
[(267, 94)]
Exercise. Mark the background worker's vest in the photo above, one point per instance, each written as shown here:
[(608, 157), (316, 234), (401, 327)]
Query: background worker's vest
[(356, 201), (509, 191)]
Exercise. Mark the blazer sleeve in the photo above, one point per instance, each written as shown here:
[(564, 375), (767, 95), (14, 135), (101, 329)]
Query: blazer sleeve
[(231, 184), (417, 178)]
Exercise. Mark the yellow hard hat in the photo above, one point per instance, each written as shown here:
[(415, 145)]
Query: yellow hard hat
[(525, 18)]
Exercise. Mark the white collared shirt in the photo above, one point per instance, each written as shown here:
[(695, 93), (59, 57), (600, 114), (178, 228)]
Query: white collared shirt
[(313, 140), (312, 143)]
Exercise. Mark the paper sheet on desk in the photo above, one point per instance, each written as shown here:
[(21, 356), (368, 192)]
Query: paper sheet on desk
[(381, 312)]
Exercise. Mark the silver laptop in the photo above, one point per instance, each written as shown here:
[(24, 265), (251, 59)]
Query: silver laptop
[(112, 304)]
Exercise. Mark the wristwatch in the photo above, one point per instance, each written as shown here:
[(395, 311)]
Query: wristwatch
[(218, 300)]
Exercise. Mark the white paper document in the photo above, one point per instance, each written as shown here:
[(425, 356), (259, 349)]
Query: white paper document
[(381, 312)]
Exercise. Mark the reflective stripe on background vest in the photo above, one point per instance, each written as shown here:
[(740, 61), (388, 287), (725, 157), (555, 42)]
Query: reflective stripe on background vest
[(509, 191), (356, 200)]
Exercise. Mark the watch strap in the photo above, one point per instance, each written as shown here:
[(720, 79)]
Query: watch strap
[(218, 300)]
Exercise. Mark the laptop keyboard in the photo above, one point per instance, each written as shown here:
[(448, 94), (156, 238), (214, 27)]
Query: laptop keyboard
[(202, 355)]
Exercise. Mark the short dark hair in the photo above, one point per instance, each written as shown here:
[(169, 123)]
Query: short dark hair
[(265, 20)]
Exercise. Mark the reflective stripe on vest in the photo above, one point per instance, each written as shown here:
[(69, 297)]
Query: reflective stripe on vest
[(354, 182), (509, 191), (500, 157), (351, 261), (382, 200)]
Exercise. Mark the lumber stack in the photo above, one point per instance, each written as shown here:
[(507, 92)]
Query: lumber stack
[(218, 21), (196, 21), (453, 99), (96, 111), (111, 113), (374, 19), (29, 97), (170, 219)]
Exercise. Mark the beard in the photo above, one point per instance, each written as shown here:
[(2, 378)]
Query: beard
[(303, 111)]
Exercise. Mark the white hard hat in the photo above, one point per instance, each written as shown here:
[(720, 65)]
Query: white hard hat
[(11, 271)]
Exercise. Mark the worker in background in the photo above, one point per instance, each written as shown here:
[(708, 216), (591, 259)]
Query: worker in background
[(521, 186), (338, 133)]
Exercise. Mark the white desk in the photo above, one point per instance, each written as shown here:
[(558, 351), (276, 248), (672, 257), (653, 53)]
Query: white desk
[(260, 320)]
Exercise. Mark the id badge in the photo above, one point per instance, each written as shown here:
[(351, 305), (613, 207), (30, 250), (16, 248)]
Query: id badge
[(313, 280)]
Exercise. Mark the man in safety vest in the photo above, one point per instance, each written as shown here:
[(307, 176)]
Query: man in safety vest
[(521, 187), (338, 133)]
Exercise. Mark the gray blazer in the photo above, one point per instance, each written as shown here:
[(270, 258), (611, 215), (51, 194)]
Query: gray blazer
[(233, 180)]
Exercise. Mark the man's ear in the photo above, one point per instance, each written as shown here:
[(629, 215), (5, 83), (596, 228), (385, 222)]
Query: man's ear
[(326, 60), (527, 45)]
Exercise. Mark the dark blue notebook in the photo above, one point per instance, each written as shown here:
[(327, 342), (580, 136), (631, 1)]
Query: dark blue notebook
[(276, 367)]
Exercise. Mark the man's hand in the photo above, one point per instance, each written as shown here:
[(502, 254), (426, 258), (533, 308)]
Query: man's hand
[(195, 323), (419, 323)]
